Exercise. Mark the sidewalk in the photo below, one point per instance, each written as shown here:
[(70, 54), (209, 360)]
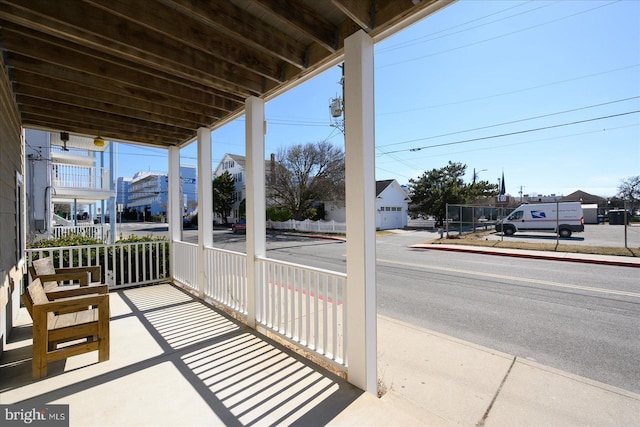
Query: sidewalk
[(436, 380), (625, 261)]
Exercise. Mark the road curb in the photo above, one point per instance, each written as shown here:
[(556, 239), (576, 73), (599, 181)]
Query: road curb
[(514, 253)]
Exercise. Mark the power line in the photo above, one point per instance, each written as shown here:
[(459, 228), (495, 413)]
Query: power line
[(512, 133), (448, 104), (511, 122), (495, 147), (497, 37), (425, 38)]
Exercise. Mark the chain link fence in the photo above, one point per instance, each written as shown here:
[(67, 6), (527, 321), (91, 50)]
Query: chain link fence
[(462, 219)]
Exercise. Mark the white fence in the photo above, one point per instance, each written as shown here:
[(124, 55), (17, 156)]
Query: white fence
[(100, 231), (123, 264), (421, 223), (301, 304), (310, 226)]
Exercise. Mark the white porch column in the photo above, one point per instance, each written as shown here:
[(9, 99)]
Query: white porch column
[(255, 202), (205, 203), (360, 205), (174, 208)]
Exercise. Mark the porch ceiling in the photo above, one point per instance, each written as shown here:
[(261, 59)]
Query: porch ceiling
[(153, 71)]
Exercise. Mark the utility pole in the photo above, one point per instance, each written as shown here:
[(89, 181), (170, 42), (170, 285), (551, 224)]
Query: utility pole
[(336, 106)]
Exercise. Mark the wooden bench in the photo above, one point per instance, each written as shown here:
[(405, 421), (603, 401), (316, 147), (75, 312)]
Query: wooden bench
[(66, 323), (52, 277)]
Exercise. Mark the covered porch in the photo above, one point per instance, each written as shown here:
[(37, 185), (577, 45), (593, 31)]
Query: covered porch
[(167, 75)]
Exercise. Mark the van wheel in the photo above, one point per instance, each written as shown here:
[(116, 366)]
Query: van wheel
[(565, 232), (509, 231)]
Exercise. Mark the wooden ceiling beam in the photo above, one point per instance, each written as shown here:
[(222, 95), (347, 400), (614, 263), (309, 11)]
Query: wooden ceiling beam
[(55, 109), (87, 102), (118, 33), (359, 12), (96, 66), (189, 33), (241, 25), (305, 20), (175, 62), (149, 98), (85, 128)]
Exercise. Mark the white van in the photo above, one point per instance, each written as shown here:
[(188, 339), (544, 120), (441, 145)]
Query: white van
[(543, 217)]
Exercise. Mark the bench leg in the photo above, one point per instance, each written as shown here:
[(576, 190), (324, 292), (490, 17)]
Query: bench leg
[(103, 332), (40, 345)]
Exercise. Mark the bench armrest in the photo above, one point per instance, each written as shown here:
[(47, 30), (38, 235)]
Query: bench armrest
[(72, 304), (65, 292), (94, 270), (82, 276)]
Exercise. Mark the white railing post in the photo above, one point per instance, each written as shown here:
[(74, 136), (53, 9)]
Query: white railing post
[(360, 206), (256, 217)]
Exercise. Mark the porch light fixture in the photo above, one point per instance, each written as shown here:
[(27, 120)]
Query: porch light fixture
[(98, 142)]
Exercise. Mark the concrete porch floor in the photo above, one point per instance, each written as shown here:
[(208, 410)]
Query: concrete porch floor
[(177, 361)]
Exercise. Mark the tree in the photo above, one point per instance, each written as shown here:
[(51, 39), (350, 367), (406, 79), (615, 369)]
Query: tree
[(224, 195), (431, 192), (305, 174), (629, 191)]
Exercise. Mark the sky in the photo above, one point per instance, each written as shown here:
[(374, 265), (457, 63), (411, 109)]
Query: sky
[(546, 92)]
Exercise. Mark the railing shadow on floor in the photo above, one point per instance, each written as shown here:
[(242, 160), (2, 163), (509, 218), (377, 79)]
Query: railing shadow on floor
[(242, 377)]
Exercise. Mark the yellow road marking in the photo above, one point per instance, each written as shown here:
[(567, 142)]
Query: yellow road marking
[(519, 279)]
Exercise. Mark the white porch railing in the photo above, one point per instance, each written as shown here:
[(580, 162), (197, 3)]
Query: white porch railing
[(310, 226), (123, 264), (226, 273), (301, 304), (305, 305), (184, 259), (100, 231), (74, 176)]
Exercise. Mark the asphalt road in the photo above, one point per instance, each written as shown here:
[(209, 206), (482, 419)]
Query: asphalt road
[(580, 318)]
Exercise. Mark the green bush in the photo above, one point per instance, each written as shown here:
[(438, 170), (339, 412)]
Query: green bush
[(279, 215)]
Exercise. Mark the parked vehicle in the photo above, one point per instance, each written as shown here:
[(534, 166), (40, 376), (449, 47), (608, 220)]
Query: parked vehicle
[(239, 226), (544, 217)]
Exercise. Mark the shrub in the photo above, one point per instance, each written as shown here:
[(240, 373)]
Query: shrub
[(279, 215)]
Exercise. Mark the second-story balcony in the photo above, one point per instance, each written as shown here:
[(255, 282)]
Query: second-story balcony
[(74, 181)]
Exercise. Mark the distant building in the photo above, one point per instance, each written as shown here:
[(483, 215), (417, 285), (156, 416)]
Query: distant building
[(235, 165), (148, 192), (122, 192), (392, 204), (551, 198)]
